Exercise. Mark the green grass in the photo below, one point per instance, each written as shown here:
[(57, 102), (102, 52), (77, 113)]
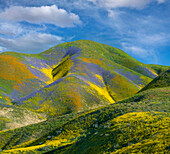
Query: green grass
[(14, 137)]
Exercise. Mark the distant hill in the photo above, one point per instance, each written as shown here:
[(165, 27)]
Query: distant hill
[(83, 75), (158, 68), (163, 80), (69, 77)]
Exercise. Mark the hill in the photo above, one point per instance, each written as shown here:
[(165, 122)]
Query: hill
[(163, 80), (134, 125), (81, 97), (85, 73), (158, 68)]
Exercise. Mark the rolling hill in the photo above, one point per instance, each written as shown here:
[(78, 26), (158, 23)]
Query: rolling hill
[(70, 77), (163, 80), (137, 124), (83, 97)]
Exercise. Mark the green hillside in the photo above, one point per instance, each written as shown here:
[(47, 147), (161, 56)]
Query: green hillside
[(139, 124), (163, 80), (158, 68)]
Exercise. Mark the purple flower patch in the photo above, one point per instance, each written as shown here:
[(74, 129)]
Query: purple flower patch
[(72, 51), (135, 78)]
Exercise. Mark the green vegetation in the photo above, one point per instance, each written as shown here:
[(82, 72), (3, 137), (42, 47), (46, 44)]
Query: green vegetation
[(62, 68), (132, 125), (80, 97), (21, 135), (158, 68), (163, 80)]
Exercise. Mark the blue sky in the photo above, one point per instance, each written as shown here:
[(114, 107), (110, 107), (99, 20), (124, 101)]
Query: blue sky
[(139, 27)]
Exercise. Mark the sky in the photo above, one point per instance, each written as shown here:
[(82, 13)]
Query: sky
[(141, 28)]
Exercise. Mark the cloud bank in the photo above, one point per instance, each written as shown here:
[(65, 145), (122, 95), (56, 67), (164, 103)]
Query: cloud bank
[(26, 37), (31, 43), (41, 15)]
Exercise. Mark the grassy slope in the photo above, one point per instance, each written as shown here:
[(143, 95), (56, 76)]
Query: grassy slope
[(128, 126), (137, 124), (20, 75), (21, 135), (163, 80)]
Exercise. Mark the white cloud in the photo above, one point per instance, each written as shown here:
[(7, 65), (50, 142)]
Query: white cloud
[(32, 42), (146, 53), (13, 29), (138, 4), (161, 1), (143, 36), (140, 52), (122, 3), (154, 39), (111, 13), (41, 15), (10, 28), (2, 49)]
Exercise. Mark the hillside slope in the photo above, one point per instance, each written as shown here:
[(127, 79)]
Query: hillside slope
[(21, 74), (139, 124), (158, 68), (163, 80)]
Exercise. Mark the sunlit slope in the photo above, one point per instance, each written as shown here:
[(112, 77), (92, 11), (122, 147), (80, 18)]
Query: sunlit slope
[(137, 124), (86, 74), (163, 80)]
